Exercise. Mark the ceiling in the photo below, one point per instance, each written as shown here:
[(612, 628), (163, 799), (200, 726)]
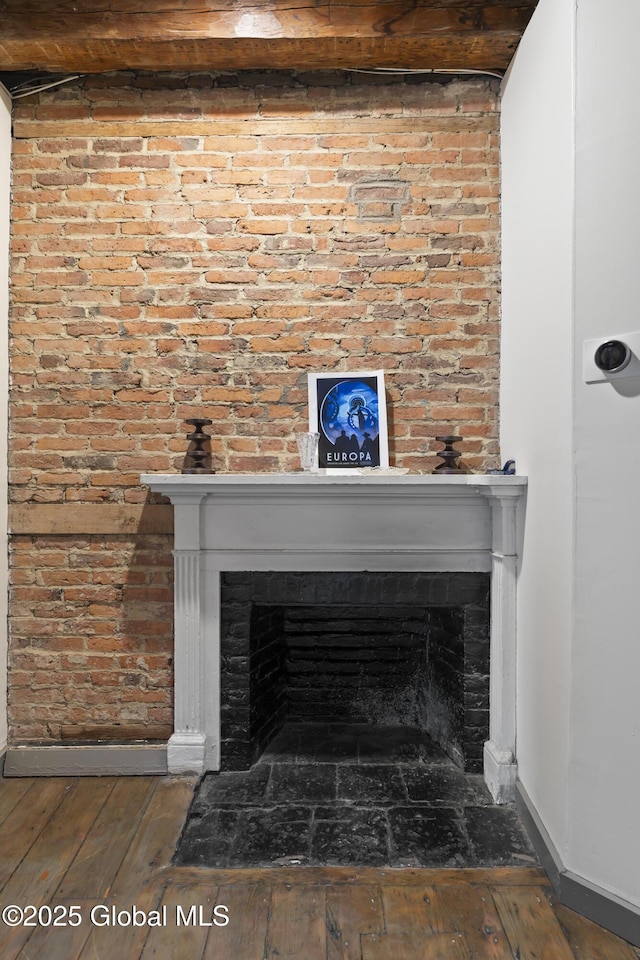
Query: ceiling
[(95, 36)]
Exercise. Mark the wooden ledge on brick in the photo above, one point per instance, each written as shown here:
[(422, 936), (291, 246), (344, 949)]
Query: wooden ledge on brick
[(25, 129), (107, 733), (104, 518)]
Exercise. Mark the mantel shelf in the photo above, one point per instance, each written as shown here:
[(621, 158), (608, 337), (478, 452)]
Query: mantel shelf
[(428, 484)]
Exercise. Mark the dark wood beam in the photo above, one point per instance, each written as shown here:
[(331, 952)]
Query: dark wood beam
[(94, 36)]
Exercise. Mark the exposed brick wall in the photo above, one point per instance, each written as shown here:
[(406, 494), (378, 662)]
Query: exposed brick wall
[(194, 246), (91, 637)]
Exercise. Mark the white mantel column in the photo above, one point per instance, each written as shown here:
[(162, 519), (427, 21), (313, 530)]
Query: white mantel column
[(500, 766), (186, 747)]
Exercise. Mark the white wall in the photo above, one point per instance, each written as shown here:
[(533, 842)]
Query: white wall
[(571, 252), (536, 389), (604, 836), (5, 169)]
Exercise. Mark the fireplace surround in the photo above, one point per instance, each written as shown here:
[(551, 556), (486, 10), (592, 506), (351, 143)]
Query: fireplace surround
[(382, 522)]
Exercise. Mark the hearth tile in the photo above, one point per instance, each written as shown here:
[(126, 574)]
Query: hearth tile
[(233, 788), (207, 840), (350, 837), (267, 835), (432, 752), (497, 836), (328, 747), (302, 781), (397, 745), (477, 791), (380, 783), (284, 746), (435, 784), (428, 837)]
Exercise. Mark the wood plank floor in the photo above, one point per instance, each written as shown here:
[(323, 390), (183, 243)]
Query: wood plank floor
[(77, 855)]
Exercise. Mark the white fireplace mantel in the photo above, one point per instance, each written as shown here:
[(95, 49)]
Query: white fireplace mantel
[(380, 521)]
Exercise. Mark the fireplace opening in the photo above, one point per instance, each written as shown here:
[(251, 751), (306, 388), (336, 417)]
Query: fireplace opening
[(399, 650)]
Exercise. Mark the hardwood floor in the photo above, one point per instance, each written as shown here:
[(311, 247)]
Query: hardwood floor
[(77, 855)]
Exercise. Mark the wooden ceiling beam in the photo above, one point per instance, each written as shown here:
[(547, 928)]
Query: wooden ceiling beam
[(94, 36)]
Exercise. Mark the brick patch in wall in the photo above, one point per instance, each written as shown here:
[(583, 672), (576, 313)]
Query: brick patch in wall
[(378, 199)]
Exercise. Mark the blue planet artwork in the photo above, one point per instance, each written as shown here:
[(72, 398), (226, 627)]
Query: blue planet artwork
[(348, 422)]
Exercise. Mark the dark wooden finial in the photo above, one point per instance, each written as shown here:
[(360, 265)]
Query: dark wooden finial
[(449, 456), (198, 455)]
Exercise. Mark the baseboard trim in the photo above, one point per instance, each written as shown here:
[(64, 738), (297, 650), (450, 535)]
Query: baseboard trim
[(85, 760), (586, 898)]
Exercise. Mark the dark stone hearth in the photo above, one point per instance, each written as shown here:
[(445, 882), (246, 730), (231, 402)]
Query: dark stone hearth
[(493, 830), (370, 783), (437, 785), (291, 782), (346, 836), (271, 833), (244, 789), (369, 802), (397, 745), (215, 831), (438, 831)]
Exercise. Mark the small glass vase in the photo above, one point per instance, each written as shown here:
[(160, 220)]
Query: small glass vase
[(308, 450)]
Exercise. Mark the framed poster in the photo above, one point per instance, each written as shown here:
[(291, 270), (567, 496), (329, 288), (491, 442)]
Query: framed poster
[(349, 412)]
